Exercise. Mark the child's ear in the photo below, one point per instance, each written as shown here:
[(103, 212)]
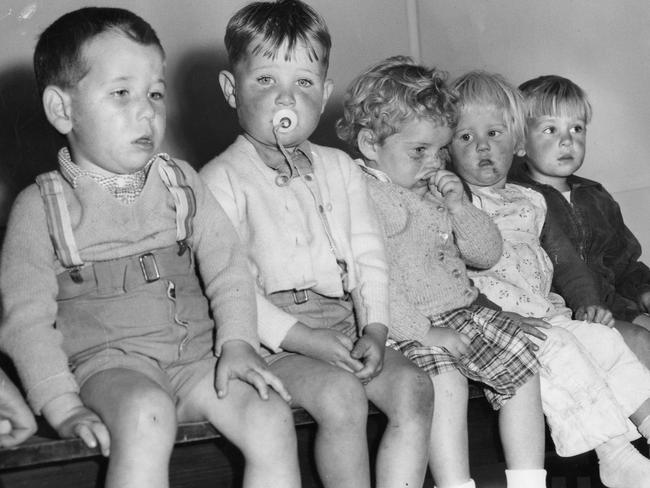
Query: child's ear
[(328, 87), (58, 109), (227, 82), (366, 142)]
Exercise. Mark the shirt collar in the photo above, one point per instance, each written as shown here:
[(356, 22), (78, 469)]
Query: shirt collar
[(374, 172), (125, 188)]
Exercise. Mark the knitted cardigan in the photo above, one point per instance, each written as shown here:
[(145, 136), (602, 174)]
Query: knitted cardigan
[(428, 249), (272, 223)]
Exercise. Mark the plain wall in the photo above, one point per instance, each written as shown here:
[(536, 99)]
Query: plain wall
[(602, 45)]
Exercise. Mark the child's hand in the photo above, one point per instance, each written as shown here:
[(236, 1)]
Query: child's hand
[(327, 345), (70, 418), (595, 313), (530, 326), (453, 341), (644, 302), (17, 423), (239, 360), (450, 186), (370, 350)]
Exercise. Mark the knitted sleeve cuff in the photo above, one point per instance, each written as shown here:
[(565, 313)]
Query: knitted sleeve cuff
[(44, 392)]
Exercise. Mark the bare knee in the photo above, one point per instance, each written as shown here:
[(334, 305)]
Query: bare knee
[(147, 413), (636, 337), (341, 402), (412, 395), (267, 428)]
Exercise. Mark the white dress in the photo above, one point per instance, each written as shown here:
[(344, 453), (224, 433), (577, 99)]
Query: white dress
[(590, 380)]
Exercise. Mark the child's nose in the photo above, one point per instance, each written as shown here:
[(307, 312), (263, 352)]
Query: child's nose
[(566, 138), (146, 108), (482, 144), (285, 97)]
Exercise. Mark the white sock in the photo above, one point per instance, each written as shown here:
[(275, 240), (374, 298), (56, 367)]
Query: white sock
[(467, 484), (526, 478), (621, 465), (644, 428)]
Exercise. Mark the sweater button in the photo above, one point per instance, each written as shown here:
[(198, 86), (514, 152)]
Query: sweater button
[(441, 256), (456, 273), (444, 236), (440, 208)]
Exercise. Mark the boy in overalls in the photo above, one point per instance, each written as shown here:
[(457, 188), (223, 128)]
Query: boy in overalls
[(104, 315)]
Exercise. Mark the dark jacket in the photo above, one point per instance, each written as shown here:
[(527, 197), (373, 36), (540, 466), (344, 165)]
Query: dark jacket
[(594, 224)]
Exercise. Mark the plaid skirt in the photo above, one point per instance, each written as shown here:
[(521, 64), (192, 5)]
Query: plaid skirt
[(499, 356)]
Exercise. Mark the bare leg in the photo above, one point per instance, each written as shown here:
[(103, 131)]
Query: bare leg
[(637, 339), (449, 452), (141, 420), (643, 320), (404, 393), (521, 425), (337, 401), (262, 429)]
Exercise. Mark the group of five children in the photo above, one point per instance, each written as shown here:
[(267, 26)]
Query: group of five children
[(138, 294)]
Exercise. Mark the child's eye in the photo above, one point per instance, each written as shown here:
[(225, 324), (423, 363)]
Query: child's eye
[(418, 153), (548, 130), (577, 129), (494, 133), (465, 137), (120, 93), (264, 80), (305, 83), (157, 95)]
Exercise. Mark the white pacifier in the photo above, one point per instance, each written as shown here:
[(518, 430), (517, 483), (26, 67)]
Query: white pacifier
[(284, 121)]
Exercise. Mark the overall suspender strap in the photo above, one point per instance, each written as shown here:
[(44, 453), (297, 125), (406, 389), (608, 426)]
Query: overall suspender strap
[(183, 195), (58, 219)]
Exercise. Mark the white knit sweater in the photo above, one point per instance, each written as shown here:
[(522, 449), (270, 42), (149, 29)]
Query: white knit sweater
[(285, 238)]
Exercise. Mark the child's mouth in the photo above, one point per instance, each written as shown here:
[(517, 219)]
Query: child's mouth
[(566, 157), (145, 142), (485, 162)]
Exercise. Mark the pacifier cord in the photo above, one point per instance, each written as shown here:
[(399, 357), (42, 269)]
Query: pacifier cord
[(316, 197), (283, 150)]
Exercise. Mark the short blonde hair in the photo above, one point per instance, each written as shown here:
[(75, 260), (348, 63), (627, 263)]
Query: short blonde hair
[(491, 89), (392, 92), (553, 95)]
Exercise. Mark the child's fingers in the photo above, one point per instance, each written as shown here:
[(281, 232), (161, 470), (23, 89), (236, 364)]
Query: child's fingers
[(259, 383), (275, 383), (370, 370), (221, 382), (605, 317), (350, 364), (533, 331), (346, 341), (84, 432), (5, 426), (359, 350), (103, 437)]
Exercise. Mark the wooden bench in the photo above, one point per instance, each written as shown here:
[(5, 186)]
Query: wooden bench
[(203, 458)]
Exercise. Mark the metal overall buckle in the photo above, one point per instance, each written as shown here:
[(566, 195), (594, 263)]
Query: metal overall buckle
[(300, 297), (149, 267)]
